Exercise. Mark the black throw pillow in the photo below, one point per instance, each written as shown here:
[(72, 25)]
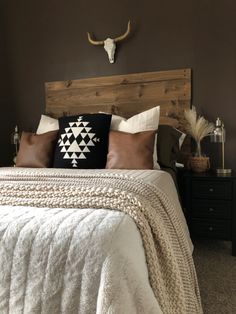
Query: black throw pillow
[(82, 141), (168, 146)]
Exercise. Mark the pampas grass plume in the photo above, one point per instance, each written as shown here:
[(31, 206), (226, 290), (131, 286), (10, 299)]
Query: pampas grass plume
[(197, 127)]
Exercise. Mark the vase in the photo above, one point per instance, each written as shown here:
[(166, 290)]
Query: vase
[(198, 149), (199, 163)]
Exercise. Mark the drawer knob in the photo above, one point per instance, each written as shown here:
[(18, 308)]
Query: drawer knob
[(211, 209), (211, 190), (210, 228)]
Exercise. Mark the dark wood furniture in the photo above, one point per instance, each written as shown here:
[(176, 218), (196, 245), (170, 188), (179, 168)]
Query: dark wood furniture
[(209, 201)]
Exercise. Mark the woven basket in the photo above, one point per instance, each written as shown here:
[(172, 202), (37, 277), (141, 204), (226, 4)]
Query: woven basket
[(199, 164)]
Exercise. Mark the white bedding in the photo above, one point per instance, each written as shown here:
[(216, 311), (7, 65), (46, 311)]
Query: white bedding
[(94, 258)]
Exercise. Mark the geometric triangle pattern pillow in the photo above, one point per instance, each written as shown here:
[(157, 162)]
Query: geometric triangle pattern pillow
[(82, 141)]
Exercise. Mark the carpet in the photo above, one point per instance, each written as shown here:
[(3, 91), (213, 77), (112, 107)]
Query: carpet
[(216, 270)]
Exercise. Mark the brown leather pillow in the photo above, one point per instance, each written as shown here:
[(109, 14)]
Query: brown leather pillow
[(36, 151), (130, 151)]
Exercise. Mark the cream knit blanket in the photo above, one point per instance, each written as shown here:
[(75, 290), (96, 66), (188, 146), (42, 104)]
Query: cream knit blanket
[(171, 270)]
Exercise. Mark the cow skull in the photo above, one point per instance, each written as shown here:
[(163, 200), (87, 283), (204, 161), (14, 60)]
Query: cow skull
[(110, 44), (110, 47)]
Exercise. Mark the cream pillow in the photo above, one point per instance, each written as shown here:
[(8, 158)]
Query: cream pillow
[(47, 124), (145, 121)]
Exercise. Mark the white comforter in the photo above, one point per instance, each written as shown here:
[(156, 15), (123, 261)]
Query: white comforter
[(55, 260)]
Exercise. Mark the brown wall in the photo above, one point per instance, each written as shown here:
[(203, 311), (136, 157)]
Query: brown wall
[(7, 115), (46, 41)]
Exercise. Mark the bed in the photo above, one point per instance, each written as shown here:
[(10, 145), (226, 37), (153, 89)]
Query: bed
[(99, 240)]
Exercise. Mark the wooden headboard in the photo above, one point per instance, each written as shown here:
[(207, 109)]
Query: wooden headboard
[(124, 95)]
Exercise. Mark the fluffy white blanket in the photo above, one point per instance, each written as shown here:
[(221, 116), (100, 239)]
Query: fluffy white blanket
[(71, 260)]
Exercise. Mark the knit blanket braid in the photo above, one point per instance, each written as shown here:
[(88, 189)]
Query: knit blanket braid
[(170, 266)]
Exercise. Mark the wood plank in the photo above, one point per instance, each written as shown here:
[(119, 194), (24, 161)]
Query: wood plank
[(120, 79), (134, 92), (124, 95)]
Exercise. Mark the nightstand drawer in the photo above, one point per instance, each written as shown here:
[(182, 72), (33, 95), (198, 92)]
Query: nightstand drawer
[(215, 229), (212, 189), (211, 209)]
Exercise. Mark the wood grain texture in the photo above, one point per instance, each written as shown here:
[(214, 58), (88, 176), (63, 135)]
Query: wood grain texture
[(124, 95)]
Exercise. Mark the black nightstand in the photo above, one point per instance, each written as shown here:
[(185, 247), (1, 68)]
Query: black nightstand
[(210, 205)]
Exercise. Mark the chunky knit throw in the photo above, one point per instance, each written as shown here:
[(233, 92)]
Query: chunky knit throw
[(170, 266)]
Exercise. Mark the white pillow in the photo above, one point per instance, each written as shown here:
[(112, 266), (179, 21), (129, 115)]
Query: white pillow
[(145, 121), (47, 124), (182, 138)]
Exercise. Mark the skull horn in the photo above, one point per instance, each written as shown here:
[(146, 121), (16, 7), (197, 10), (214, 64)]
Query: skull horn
[(94, 42), (124, 35)]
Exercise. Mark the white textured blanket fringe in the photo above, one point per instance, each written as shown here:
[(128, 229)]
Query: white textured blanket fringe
[(170, 266)]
